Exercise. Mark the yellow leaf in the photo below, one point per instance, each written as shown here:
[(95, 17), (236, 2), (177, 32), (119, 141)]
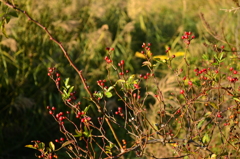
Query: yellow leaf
[(140, 55), (162, 57), (177, 54)]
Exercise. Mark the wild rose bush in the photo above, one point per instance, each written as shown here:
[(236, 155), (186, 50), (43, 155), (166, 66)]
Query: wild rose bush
[(192, 112)]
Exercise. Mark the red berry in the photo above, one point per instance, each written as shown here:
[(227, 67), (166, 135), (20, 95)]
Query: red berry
[(50, 112), (219, 115), (235, 72), (60, 118), (53, 108), (188, 42), (122, 62), (119, 109), (190, 83), (231, 68), (56, 140), (136, 86), (121, 73), (50, 70), (61, 139), (109, 60), (182, 91), (134, 95)]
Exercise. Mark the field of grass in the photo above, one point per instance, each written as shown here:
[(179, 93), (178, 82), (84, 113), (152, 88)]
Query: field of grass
[(86, 28)]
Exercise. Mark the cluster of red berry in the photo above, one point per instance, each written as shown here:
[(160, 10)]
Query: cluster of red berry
[(54, 75), (101, 83), (121, 65), (119, 112), (187, 37), (146, 76), (59, 140), (230, 78)]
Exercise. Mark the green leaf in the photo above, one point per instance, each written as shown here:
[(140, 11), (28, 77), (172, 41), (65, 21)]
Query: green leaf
[(206, 138), (86, 109), (205, 56), (121, 80), (41, 145), (70, 90), (51, 146), (197, 82), (79, 133), (214, 105), (200, 123), (66, 83), (13, 13), (236, 99), (216, 57), (220, 56), (87, 133), (131, 79), (110, 88), (108, 94), (99, 94)]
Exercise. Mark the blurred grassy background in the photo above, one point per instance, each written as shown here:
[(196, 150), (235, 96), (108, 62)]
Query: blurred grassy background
[(86, 28)]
